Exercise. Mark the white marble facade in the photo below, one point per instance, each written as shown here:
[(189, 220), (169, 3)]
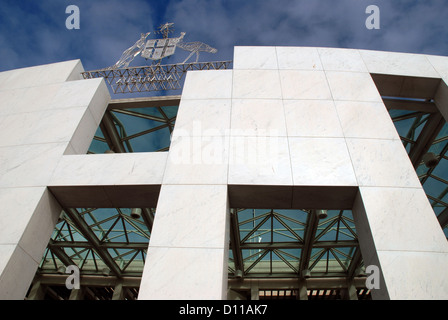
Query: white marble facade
[(284, 121)]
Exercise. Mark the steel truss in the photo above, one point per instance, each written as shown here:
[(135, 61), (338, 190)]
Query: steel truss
[(151, 78), (293, 244)]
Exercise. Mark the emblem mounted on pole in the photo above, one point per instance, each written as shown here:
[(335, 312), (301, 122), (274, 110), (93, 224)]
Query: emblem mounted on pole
[(155, 77)]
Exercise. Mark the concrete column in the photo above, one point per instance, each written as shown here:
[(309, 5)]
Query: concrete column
[(119, 293), (349, 293), (302, 293), (77, 294), (397, 228), (37, 291), (254, 291), (188, 250), (338, 133)]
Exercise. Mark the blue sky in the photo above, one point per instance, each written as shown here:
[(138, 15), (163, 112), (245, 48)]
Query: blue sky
[(33, 32)]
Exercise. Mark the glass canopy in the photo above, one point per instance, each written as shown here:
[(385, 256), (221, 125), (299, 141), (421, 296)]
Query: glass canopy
[(288, 243)]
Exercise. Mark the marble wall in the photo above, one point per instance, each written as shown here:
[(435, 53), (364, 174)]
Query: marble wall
[(288, 127), (288, 122), (45, 112)]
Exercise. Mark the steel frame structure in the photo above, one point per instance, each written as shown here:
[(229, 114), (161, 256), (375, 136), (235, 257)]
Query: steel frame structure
[(152, 77)]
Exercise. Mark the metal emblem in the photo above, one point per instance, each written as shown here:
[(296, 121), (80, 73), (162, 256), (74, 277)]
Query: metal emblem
[(154, 77), (157, 49)]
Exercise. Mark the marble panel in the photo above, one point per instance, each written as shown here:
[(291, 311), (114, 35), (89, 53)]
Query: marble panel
[(440, 64), (76, 72), (40, 226), (56, 96), (184, 274), (203, 118), (365, 120), (99, 102), (110, 169), (17, 273), (403, 220), (253, 117), (197, 218), (42, 75), (254, 58), (441, 99), (30, 99), (256, 84), (341, 59), (352, 86), (304, 84), (396, 63), (382, 163), (259, 161), (197, 160), (312, 118), (16, 213), (208, 84), (90, 92), (321, 162), (365, 238), (411, 275), (298, 58), (83, 134), (40, 127), (29, 165)]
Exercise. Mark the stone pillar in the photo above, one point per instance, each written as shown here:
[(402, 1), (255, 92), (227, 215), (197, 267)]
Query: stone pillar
[(397, 228), (44, 113), (188, 250)]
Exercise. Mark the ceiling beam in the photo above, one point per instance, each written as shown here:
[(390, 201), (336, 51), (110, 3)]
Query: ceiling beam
[(143, 102), (443, 218), (90, 280), (106, 245), (299, 245), (411, 105)]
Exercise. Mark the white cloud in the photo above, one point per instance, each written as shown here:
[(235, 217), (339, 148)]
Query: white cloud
[(33, 32)]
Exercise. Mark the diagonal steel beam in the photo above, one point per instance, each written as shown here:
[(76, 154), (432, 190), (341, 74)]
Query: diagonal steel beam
[(85, 230), (354, 264), (109, 130), (60, 253), (424, 141), (310, 234), (148, 217), (142, 102), (443, 218), (235, 241)]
